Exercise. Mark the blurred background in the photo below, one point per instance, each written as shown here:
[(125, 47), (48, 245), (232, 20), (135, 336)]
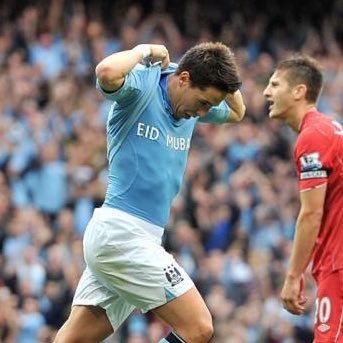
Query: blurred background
[(231, 226)]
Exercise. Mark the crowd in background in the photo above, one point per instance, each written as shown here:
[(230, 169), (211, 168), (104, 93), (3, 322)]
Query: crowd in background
[(231, 226)]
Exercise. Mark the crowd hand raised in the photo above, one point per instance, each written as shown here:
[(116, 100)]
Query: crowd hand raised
[(154, 53)]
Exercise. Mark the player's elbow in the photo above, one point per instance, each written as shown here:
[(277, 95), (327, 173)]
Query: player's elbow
[(109, 79), (313, 216), (241, 113), (237, 115), (103, 72)]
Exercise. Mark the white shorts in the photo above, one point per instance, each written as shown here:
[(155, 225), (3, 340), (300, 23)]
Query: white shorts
[(127, 267)]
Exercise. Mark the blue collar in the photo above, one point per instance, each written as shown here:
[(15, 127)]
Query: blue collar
[(163, 85)]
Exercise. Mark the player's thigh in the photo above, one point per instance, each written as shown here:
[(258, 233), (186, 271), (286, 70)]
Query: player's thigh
[(186, 311), (329, 309), (87, 324), (128, 260)]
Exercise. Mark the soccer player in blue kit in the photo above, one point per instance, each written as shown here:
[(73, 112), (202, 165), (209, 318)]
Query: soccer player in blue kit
[(155, 108)]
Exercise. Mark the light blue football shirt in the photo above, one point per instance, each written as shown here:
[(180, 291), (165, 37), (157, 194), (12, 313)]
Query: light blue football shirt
[(147, 146)]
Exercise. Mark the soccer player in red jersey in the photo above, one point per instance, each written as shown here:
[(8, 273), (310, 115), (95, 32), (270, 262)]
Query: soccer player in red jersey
[(292, 92)]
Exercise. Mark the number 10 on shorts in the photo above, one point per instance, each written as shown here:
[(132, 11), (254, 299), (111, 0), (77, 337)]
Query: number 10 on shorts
[(322, 314)]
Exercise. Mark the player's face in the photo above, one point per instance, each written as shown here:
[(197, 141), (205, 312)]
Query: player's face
[(279, 95), (196, 102)]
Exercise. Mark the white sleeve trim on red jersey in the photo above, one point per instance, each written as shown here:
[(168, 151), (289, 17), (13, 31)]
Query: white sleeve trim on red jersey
[(314, 187)]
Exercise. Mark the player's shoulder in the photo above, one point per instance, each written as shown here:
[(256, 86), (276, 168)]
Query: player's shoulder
[(145, 74), (170, 69), (143, 68), (318, 129)]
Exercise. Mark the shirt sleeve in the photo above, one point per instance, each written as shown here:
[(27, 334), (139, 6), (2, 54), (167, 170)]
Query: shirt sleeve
[(217, 114), (133, 86), (313, 156)]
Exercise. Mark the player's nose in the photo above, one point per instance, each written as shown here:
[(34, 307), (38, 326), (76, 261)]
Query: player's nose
[(266, 92)]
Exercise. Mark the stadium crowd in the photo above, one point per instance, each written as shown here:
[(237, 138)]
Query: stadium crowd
[(232, 225)]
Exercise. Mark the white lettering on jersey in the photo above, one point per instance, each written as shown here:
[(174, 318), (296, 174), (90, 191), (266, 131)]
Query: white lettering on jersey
[(317, 174), (178, 143), (152, 133), (147, 131)]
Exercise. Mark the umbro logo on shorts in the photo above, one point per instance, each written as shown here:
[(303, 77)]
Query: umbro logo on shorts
[(323, 327), (173, 275)]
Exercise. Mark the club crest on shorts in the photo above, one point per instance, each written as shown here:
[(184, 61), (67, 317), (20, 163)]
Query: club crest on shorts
[(173, 275)]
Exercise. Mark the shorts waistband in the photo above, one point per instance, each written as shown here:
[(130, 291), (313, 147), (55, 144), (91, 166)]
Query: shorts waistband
[(116, 214)]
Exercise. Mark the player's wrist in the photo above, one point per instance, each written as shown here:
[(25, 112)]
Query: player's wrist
[(292, 276), (144, 50)]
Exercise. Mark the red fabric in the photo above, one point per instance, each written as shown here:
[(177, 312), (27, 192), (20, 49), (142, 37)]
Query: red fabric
[(318, 154), (329, 307)]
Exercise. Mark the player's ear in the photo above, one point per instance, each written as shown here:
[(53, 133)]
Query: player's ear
[(184, 77), (299, 91)]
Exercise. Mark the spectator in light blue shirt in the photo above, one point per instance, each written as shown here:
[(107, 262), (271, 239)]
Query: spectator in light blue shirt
[(48, 184), (48, 54), (30, 322)]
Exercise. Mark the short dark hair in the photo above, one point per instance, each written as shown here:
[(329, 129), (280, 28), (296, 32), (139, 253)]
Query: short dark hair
[(304, 69), (211, 64)]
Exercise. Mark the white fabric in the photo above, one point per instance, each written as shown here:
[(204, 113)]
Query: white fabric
[(127, 267)]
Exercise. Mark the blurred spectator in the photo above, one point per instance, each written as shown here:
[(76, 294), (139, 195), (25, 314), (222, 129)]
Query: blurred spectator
[(30, 321), (232, 224)]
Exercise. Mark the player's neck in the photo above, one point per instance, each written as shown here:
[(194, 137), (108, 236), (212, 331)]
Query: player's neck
[(296, 119), (171, 86)]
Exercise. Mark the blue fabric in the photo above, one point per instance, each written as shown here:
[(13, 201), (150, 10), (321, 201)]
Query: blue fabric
[(219, 237), (137, 324), (217, 114), (29, 326), (147, 145), (51, 58), (49, 186), (83, 211)]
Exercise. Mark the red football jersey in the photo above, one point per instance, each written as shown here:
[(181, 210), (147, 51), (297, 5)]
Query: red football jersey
[(318, 154)]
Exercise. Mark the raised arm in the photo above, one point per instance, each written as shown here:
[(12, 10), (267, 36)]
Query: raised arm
[(111, 71), (237, 107)]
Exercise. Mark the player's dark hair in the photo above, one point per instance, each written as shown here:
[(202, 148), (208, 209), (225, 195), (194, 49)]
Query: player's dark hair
[(211, 64), (302, 69)]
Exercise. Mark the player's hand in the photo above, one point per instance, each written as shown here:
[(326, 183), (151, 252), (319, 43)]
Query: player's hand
[(292, 295), (155, 52), (237, 106)]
